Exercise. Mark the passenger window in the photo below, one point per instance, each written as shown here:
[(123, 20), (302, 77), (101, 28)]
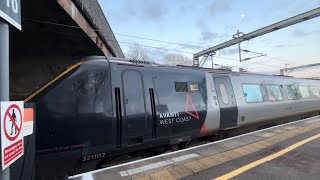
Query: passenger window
[(315, 91), (304, 92), (181, 86), (274, 92), (292, 92), (224, 94), (252, 93)]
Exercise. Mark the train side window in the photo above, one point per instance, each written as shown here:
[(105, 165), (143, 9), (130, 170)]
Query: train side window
[(274, 92), (224, 94), (315, 91), (194, 87), (252, 93), (181, 86), (304, 92), (292, 92)]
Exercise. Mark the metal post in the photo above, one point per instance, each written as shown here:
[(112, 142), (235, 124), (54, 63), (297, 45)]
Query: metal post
[(286, 67), (4, 76), (212, 61), (281, 72), (237, 36), (238, 33), (196, 62)]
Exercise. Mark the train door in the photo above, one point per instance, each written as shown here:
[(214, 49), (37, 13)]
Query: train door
[(134, 103), (227, 102)]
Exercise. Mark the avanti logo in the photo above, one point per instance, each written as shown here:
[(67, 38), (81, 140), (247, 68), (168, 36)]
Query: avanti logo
[(189, 101)]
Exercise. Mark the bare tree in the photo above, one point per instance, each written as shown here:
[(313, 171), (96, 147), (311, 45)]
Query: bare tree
[(174, 59), (138, 52)]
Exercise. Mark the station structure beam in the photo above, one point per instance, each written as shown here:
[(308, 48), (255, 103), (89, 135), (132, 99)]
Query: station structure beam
[(265, 30), (101, 34)]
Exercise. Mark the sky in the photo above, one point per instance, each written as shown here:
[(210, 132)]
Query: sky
[(199, 24)]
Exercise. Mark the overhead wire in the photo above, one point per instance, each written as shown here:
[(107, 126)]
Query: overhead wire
[(304, 70), (130, 43), (275, 58), (313, 75), (155, 47), (203, 47), (132, 36), (157, 40), (77, 27), (283, 60), (278, 59), (195, 46)]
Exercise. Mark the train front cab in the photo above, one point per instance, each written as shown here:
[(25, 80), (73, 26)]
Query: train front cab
[(74, 113)]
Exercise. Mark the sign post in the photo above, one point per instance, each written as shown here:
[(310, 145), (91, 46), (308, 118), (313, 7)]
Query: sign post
[(10, 12), (4, 75)]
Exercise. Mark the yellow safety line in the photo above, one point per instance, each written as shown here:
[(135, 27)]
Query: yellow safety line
[(247, 167), (52, 81)]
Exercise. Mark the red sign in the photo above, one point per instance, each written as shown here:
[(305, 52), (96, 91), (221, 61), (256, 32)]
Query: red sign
[(12, 151), (7, 118), (12, 132)]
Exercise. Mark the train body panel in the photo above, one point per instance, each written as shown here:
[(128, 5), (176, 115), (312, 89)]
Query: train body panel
[(166, 112), (212, 120), (266, 110), (227, 101)]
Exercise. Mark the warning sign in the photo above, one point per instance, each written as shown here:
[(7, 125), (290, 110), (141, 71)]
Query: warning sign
[(12, 114)]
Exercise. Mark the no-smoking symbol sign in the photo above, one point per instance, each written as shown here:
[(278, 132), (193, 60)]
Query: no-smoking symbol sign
[(12, 114)]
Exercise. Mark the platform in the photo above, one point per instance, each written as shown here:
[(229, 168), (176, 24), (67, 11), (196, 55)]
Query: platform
[(288, 151)]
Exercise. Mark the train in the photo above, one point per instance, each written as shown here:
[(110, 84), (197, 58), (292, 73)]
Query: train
[(106, 106)]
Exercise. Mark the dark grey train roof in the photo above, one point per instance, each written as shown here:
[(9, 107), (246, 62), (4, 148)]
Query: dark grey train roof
[(208, 70)]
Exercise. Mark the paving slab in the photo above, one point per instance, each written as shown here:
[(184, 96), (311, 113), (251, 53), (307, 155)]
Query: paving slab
[(300, 163)]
